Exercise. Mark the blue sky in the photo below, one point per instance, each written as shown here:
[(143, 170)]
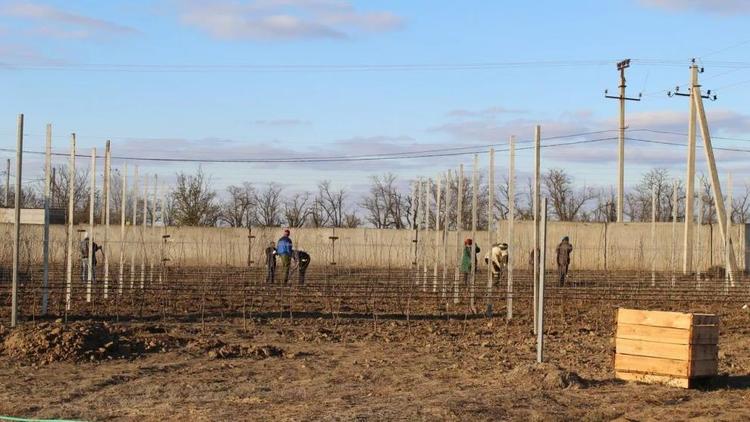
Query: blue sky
[(169, 96)]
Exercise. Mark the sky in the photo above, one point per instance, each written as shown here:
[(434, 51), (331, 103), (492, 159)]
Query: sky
[(286, 79)]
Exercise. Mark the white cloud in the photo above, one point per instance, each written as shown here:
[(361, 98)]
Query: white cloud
[(283, 19), (723, 7), (57, 23), (486, 112), (283, 122)]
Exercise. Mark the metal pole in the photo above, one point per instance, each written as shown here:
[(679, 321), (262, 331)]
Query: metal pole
[(123, 203), (490, 228), (47, 176), (107, 177), (721, 214), (537, 195), (474, 177), (687, 257), (71, 216), (92, 198), (511, 219), (542, 265), (17, 223)]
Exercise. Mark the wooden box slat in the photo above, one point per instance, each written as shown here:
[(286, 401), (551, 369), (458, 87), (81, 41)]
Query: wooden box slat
[(666, 350)]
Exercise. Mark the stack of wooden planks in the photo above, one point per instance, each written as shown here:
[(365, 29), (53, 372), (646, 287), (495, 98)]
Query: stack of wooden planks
[(672, 348)]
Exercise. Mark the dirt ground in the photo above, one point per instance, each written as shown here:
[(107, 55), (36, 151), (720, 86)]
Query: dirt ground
[(355, 367)]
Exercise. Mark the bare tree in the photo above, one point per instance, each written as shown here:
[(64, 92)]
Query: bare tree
[(567, 203), (296, 209), (605, 209), (268, 206), (638, 201), (332, 202), (59, 192), (384, 204), (194, 201), (351, 221), (235, 210)]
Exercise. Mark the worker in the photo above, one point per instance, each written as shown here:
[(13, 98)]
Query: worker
[(284, 251), (271, 263), (499, 257), (84, 246), (301, 261), (563, 251), (466, 259)]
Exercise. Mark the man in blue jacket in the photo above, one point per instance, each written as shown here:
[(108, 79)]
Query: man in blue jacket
[(284, 251)]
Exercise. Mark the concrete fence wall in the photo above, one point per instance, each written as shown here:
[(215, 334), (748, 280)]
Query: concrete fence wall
[(597, 246)]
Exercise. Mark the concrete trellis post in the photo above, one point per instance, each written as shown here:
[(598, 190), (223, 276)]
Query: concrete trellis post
[(537, 195), (417, 202), (426, 250), (71, 214), (511, 219), (47, 176), (459, 230), (7, 183), (728, 239), (17, 223), (106, 216), (446, 222), (653, 236), (123, 206), (673, 261), (144, 253), (134, 225), (698, 244), (92, 203), (474, 177), (542, 265), (437, 235), (490, 227)]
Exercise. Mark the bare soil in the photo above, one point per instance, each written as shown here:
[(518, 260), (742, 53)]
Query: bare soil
[(343, 367)]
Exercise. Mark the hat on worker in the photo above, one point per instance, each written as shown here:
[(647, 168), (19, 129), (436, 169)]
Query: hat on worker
[(565, 238), (467, 241)]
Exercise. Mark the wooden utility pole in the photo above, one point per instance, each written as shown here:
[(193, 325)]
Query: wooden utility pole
[(511, 219), (17, 224), (71, 212), (47, 176), (621, 66)]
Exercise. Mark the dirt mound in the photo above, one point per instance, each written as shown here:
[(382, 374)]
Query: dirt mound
[(217, 349), (80, 341), (543, 376)]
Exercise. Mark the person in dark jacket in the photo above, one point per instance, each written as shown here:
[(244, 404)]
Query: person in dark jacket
[(284, 251), (563, 251), (302, 261), (84, 246), (466, 259), (271, 263)]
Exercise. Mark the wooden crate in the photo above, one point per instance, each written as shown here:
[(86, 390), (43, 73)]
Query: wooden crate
[(672, 348)]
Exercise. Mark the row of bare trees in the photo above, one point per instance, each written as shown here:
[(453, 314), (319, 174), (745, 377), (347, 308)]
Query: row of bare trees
[(387, 203)]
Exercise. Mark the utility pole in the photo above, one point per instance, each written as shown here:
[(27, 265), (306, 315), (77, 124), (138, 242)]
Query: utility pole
[(687, 249), (621, 66)]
